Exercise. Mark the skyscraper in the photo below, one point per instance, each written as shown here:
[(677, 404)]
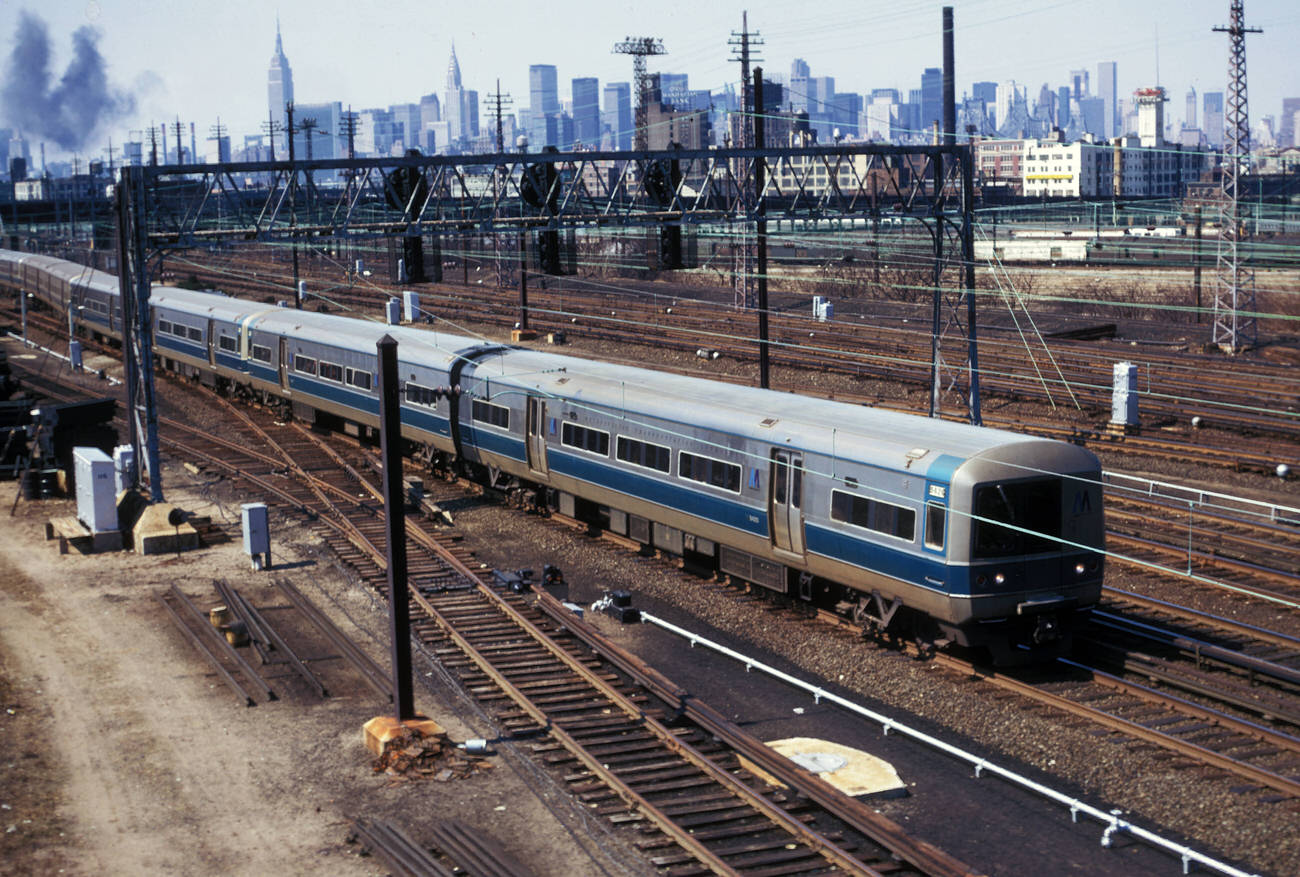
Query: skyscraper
[(798, 90), (586, 111), (1079, 84), (1212, 118), (617, 116), (931, 101), (543, 101), (1106, 91), (453, 104), (279, 86), (1189, 120), (1286, 131)]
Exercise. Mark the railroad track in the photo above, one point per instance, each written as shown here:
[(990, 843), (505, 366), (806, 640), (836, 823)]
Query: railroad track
[(1175, 387), (1264, 760), (567, 699), (1260, 758)]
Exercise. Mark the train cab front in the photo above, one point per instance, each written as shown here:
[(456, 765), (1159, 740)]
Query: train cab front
[(1036, 563)]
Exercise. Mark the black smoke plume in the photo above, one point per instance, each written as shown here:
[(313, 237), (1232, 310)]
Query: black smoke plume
[(71, 111)]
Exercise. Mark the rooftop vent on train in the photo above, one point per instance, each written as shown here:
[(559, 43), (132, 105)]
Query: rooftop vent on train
[(768, 422)]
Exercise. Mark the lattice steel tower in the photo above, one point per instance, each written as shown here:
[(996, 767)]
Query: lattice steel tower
[(1235, 323), (639, 48)]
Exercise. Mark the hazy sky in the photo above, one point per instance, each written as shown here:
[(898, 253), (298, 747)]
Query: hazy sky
[(203, 60)]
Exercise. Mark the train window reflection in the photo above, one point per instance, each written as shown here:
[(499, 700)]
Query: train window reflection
[(1033, 506)]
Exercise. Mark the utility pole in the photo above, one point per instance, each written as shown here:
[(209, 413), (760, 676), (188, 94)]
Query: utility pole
[(349, 133), (1235, 325), (743, 270), (218, 133), (180, 148), (289, 131), (1196, 264), (761, 228), (272, 126), (639, 48), (497, 103)]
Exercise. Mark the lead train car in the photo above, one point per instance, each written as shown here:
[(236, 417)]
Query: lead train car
[(983, 537)]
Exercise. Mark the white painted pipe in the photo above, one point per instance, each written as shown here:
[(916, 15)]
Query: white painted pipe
[(1110, 819)]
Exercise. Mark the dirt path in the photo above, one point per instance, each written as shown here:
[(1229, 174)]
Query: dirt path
[(121, 753)]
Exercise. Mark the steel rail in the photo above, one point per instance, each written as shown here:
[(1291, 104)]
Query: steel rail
[(1208, 559), (1111, 820), (850, 810), (298, 664), (1157, 670), (222, 645), (1250, 772), (398, 851), (633, 799), (794, 826), (375, 676), (1228, 624), (198, 643), (1196, 647)]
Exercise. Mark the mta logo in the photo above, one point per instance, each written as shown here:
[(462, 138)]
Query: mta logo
[(1082, 501)]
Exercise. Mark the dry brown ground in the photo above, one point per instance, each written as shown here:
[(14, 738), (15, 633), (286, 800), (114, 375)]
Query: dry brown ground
[(121, 753)]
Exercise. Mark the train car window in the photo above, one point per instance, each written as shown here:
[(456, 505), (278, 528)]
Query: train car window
[(331, 372), (936, 519), (1033, 506), (358, 378), (195, 334), (164, 326), (417, 395), (779, 481), (261, 354), (486, 412), (304, 364), (227, 342), (874, 515), (644, 454), (796, 487), (594, 440), (715, 473)]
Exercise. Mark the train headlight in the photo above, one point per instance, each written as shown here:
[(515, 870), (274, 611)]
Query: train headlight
[(1078, 569), (981, 580), (999, 579)]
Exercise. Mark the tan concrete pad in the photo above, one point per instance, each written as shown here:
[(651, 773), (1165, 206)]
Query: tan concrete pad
[(852, 771)]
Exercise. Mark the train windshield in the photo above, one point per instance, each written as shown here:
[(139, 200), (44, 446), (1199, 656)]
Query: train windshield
[(1033, 506)]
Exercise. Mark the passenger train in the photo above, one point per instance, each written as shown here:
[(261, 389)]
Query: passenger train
[(911, 525)]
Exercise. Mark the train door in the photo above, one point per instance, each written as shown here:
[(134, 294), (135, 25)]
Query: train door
[(212, 344), (284, 362), (536, 440), (785, 502)]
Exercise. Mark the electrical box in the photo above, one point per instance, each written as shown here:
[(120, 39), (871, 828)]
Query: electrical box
[(393, 311), (123, 468), (1124, 396), (257, 534), (410, 305), (96, 493)]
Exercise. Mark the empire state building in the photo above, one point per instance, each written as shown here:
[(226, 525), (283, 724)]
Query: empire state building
[(279, 88)]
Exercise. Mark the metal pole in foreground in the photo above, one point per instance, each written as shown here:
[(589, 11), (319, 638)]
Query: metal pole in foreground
[(523, 281), (949, 83), (399, 604), (761, 232)]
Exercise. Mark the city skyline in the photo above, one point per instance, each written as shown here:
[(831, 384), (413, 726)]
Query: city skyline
[(861, 46)]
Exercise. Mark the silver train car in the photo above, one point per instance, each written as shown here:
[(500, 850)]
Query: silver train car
[(911, 525)]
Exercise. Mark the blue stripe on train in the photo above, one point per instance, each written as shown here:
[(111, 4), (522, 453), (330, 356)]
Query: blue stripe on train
[(730, 513)]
